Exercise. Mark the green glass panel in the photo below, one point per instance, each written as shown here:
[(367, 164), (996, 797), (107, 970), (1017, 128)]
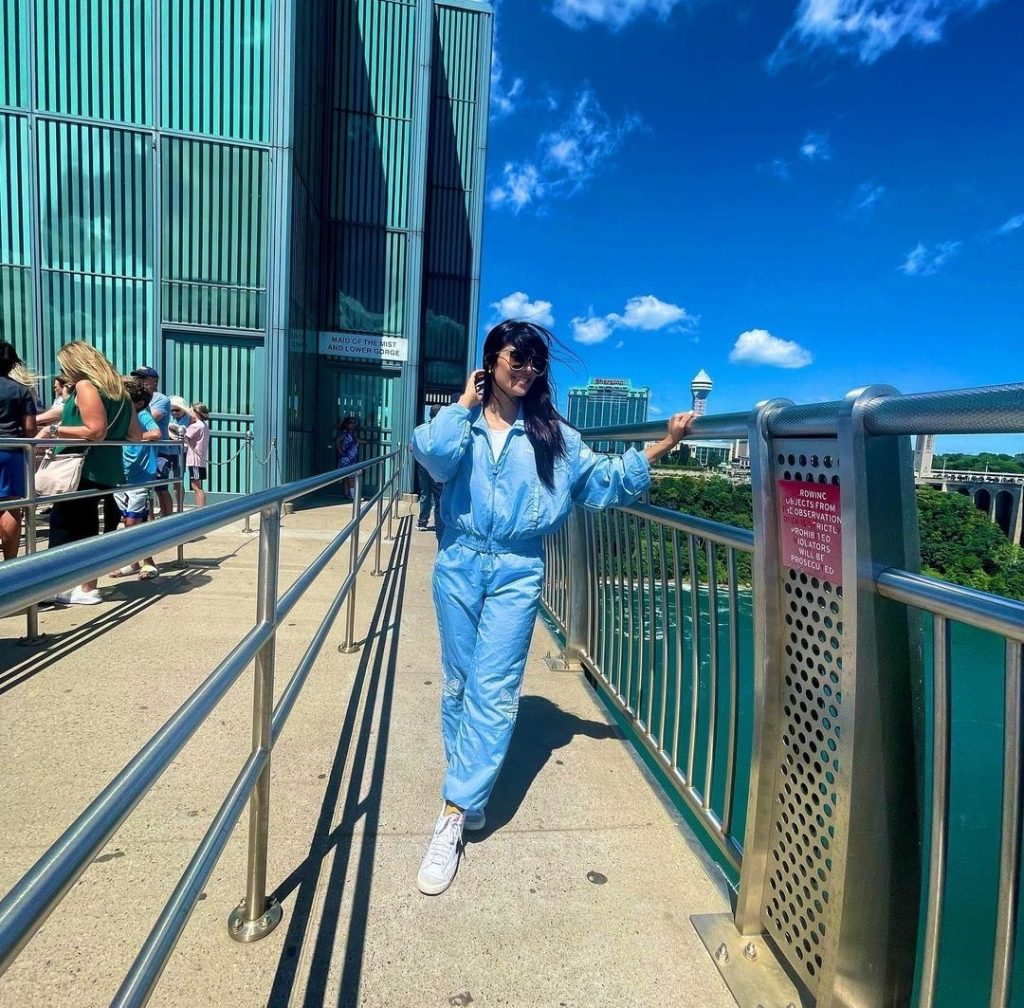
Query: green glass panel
[(223, 372), (95, 206), (214, 233), (93, 59), (213, 212), (13, 20), (15, 191), (16, 312), (364, 277), (110, 313), (215, 62)]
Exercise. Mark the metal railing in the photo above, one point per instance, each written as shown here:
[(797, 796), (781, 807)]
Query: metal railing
[(642, 617), (30, 579), (661, 636), (33, 501)]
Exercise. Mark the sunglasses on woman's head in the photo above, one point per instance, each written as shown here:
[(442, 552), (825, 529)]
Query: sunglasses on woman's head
[(519, 362)]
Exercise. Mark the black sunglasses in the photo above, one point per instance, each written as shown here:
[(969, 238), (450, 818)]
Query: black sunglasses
[(517, 362)]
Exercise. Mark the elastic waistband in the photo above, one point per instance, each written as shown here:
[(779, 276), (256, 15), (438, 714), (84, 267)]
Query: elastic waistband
[(533, 546)]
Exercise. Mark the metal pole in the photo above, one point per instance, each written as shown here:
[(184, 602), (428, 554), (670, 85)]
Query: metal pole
[(396, 468), (180, 495), (380, 521), (32, 612), (577, 616), (349, 646), (254, 917)]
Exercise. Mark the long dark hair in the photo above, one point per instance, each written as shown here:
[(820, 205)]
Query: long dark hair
[(541, 419), (9, 358)]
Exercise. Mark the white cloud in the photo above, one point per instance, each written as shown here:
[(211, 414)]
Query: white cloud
[(924, 260), (648, 312), (620, 344), (780, 169), (1012, 224), (866, 196), (521, 184), (503, 99), (613, 13), (567, 157), (519, 306), (591, 330), (644, 312), (868, 28), (816, 147), (758, 346)]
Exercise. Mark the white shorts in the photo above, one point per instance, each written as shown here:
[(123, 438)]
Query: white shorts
[(133, 504)]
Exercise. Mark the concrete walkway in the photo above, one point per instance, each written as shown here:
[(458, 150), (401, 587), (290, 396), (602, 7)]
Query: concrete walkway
[(578, 894)]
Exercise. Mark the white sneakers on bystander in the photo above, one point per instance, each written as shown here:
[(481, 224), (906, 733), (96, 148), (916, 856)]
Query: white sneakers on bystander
[(78, 596)]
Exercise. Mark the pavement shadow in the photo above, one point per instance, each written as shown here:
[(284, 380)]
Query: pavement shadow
[(20, 660), (542, 727), (370, 701)]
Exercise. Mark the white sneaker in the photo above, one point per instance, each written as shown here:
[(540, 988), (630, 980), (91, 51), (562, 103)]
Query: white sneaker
[(475, 821), (77, 596), (442, 858)]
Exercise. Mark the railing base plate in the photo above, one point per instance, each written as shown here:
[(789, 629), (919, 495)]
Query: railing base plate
[(556, 663), (748, 966), (250, 931)]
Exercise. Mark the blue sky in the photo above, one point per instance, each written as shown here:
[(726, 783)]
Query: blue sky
[(799, 196)]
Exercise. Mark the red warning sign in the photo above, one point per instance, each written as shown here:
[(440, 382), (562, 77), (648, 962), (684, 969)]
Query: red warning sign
[(811, 529)]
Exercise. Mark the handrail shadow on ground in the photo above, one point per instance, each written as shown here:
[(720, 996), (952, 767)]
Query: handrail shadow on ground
[(375, 677)]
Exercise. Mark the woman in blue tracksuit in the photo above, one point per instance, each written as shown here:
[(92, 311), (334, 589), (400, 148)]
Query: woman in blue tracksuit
[(512, 470)]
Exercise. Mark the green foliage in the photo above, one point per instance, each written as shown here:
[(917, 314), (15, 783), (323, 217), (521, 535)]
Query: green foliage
[(991, 461), (960, 544), (716, 499)]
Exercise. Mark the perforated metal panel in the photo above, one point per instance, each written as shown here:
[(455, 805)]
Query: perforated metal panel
[(810, 786)]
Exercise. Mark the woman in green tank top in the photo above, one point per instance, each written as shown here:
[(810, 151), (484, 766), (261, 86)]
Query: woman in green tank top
[(97, 410)]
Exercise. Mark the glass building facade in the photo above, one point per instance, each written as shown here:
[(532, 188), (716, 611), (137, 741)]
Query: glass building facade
[(217, 189), (607, 402)]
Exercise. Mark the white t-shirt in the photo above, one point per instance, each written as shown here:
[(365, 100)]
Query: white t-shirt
[(498, 439)]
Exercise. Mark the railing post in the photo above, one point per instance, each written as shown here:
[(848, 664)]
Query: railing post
[(380, 521), (831, 856), (179, 496), (32, 612), (255, 917), (349, 646), (396, 472), (577, 573)]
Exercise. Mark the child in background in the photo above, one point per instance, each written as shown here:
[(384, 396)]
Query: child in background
[(139, 467), (197, 449)]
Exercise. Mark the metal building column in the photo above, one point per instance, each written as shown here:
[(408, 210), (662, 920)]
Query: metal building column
[(406, 416), (271, 399), (476, 214), (831, 864)]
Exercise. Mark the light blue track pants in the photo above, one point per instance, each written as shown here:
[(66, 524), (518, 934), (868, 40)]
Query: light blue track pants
[(486, 609)]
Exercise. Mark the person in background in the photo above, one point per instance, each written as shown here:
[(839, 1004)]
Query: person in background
[(430, 494), (17, 420), (197, 449), (512, 470), (160, 410), (62, 386), (98, 409), (140, 466), (346, 445)]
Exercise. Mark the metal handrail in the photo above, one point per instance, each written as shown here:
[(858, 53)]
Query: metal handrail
[(29, 447), (29, 579), (994, 409)]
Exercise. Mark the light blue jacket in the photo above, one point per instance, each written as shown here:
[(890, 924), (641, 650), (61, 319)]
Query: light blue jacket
[(501, 506)]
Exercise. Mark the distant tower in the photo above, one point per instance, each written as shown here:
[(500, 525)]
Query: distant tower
[(923, 454), (701, 389)]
